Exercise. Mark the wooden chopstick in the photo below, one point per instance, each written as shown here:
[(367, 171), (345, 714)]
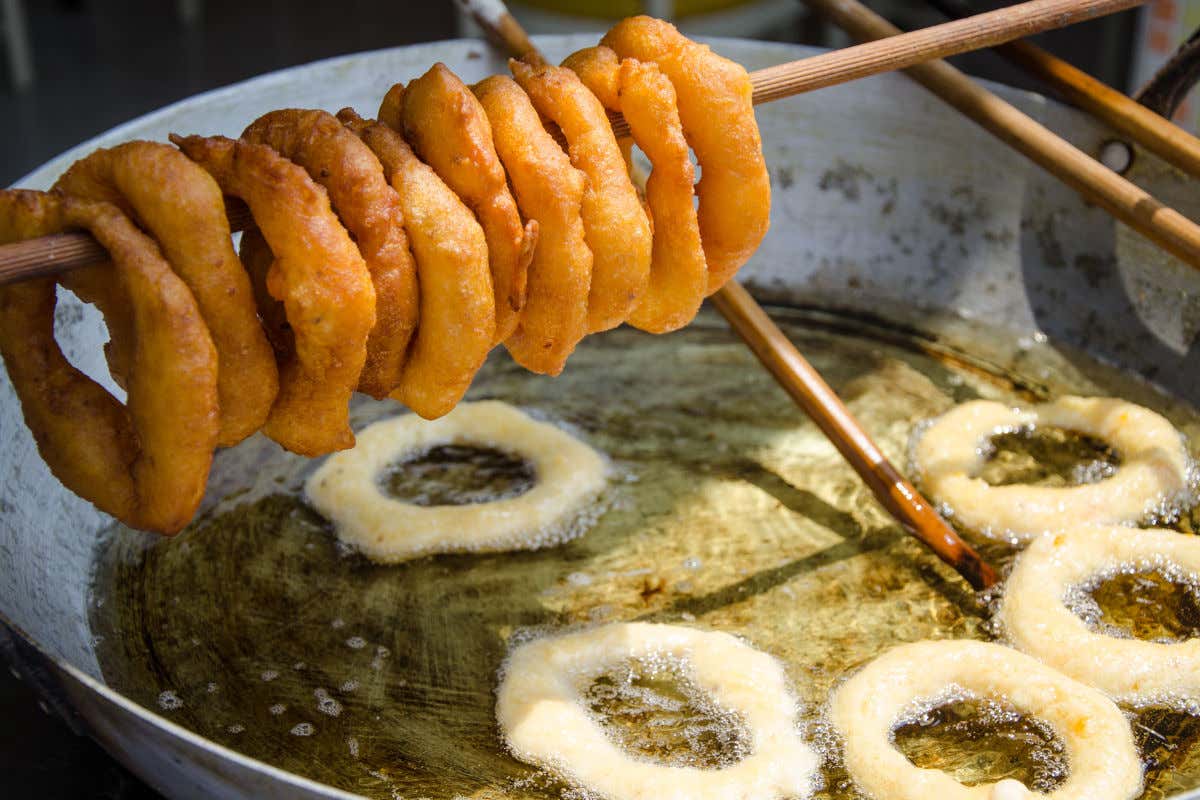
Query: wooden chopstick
[(1139, 123), (822, 405), (1129, 203), (54, 254)]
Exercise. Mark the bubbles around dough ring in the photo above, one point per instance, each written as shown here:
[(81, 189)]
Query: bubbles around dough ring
[(347, 490), (1037, 619), (1154, 466), (1099, 746), (546, 722)]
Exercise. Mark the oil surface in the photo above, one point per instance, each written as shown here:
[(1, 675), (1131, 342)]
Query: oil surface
[(656, 713), (1048, 456), (729, 511), (455, 475), (977, 740)]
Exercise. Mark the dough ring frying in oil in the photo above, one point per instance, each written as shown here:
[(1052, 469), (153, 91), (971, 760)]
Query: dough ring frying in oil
[(347, 487), (1038, 621), (1154, 468), (545, 721), (1104, 762)]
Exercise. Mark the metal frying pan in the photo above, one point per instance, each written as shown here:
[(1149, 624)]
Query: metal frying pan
[(920, 261)]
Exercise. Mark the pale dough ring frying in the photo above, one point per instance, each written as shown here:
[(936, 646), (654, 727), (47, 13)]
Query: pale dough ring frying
[(545, 721), (1037, 620), (346, 488), (1099, 745), (1154, 466)]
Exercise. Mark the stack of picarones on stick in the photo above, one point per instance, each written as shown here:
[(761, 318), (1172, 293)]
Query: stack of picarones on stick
[(387, 256)]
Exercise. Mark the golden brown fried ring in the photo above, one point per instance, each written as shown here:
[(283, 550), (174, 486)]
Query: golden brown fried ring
[(678, 275), (257, 259), (321, 279), (549, 190), (391, 108), (94, 284), (146, 463), (181, 206), (449, 130), (370, 210), (718, 118), (614, 222), (458, 316)]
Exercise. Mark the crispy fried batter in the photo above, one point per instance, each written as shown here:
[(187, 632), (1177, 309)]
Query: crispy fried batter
[(678, 274), (257, 259), (321, 279), (718, 118), (370, 210), (449, 130), (614, 223), (391, 108), (145, 462), (458, 318), (181, 206), (549, 190), (437, 265)]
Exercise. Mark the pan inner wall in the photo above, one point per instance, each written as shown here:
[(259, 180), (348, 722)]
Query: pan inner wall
[(728, 511)]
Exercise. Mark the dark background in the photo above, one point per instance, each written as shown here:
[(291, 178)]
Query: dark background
[(98, 63)]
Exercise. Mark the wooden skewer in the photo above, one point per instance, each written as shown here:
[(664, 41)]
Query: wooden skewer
[(54, 254), (822, 405), (1124, 114), (1129, 203)]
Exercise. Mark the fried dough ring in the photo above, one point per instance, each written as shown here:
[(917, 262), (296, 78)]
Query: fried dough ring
[(1100, 751), (678, 272), (549, 190), (181, 206), (614, 222), (1152, 477), (257, 259), (145, 463), (346, 488), (447, 127), (391, 107), (716, 108), (1039, 619), (458, 315), (369, 208), (94, 284), (321, 279), (545, 721)]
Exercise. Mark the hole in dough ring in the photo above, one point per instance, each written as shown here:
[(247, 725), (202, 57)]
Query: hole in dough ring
[(346, 488), (1154, 466), (1037, 620), (1099, 746), (545, 721)]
